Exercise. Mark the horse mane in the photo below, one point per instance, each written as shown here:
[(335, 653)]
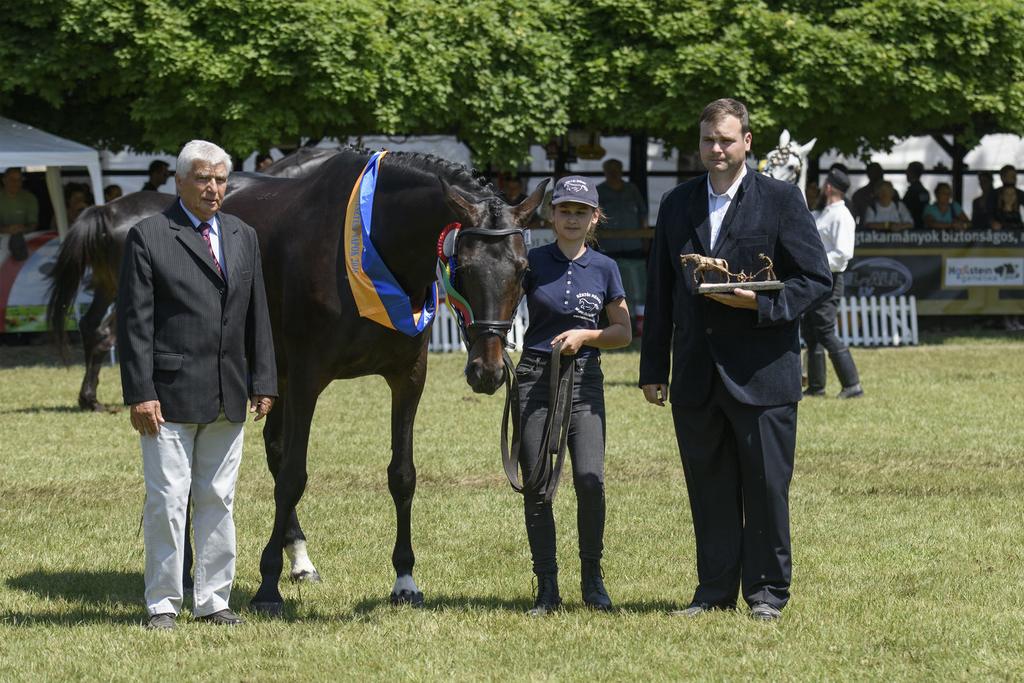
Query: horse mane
[(453, 172)]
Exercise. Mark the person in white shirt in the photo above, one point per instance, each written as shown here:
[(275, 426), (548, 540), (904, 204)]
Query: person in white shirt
[(887, 212), (818, 326)]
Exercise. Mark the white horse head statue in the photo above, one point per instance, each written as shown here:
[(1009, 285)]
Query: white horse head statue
[(788, 161)]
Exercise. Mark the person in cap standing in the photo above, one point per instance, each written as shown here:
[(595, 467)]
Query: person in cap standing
[(836, 228), (567, 287)]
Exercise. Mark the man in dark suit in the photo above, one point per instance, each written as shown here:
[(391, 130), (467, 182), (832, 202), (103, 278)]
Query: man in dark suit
[(195, 342), (735, 361)]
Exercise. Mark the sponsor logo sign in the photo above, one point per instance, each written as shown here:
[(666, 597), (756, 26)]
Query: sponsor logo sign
[(981, 271), (878, 276)]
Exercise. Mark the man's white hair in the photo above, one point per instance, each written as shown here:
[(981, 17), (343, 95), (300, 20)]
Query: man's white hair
[(200, 150)]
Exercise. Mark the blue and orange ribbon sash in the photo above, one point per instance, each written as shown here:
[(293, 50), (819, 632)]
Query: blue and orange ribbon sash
[(378, 295)]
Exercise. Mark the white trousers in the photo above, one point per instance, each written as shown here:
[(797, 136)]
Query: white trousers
[(205, 459)]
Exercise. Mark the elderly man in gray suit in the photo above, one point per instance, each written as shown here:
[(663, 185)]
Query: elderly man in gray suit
[(195, 343)]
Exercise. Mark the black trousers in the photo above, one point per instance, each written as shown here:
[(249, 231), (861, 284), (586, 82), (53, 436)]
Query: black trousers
[(818, 326), (738, 461), (586, 451)]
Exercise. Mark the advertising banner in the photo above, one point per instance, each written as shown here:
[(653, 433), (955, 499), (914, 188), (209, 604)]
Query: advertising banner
[(25, 286), (951, 272)]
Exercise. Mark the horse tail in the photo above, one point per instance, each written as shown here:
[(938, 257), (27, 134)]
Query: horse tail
[(86, 244)]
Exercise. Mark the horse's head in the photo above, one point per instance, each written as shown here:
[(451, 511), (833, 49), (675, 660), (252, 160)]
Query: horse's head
[(788, 161), (489, 264)]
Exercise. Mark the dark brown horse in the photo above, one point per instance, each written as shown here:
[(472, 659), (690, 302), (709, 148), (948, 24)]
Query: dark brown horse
[(319, 335), (96, 240)]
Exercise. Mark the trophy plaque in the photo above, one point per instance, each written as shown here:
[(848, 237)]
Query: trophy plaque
[(712, 275)]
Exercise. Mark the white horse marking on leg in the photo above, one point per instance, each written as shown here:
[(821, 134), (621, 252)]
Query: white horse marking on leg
[(302, 566), (405, 583)]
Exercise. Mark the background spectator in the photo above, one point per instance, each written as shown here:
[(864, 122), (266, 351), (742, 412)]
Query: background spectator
[(887, 212), (77, 198), (624, 208), (111, 192), (159, 172), (262, 161), (1009, 211), (1007, 174), (916, 198), (945, 213), (512, 189), (863, 197), (19, 213), (837, 166), (981, 210)]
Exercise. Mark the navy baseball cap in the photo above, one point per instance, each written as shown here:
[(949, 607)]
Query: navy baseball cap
[(574, 188)]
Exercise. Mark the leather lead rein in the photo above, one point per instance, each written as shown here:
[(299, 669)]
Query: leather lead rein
[(551, 458)]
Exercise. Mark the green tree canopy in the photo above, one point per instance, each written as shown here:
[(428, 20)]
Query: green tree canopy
[(502, 74), (853, 73), (253, 73)]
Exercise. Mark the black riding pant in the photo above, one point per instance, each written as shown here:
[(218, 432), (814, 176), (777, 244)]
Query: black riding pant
[(586, 450), (818, 325)]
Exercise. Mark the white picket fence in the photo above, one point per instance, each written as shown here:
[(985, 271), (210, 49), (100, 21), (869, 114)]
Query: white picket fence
[(444, 331), (862, 321), (878, 320)]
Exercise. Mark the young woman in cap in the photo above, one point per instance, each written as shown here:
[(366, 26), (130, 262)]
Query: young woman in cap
[(567, 287)]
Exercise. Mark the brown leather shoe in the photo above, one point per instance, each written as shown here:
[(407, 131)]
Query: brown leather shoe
[(161, 622), (225, 617)]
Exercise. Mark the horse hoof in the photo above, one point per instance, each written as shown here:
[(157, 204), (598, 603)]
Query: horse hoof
[(407, 597), (267, 609), (306, 577)]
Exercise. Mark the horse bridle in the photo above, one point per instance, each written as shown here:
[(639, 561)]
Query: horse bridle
[(546, 475), (782, 157), (448, 255)]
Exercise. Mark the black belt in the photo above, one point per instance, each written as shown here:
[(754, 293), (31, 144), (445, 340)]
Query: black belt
[(548, 472)]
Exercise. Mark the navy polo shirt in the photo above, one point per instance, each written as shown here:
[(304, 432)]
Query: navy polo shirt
[(564, 295)]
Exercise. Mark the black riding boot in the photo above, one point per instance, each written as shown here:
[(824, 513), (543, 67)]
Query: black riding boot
[(548, 599), (846, 369), (592, 583), (815, 372)]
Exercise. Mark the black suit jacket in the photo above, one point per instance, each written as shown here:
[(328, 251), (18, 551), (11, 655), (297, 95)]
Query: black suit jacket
[(185, 336), (757, 353)]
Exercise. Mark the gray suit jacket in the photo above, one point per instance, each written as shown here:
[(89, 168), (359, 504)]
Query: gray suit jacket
[(196, 341)]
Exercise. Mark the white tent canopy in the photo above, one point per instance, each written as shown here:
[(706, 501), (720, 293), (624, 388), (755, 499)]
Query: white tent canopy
[(23, 145)]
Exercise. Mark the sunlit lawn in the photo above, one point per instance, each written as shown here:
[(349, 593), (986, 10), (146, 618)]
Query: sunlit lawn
[(907, 509)]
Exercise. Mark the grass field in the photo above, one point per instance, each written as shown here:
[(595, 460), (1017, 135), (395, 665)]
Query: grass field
[(908, 531)]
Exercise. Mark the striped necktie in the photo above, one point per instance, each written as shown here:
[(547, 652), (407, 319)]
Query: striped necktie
[(204, 230)]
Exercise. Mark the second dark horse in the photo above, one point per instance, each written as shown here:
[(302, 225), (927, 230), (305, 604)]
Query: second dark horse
[(319, 335)]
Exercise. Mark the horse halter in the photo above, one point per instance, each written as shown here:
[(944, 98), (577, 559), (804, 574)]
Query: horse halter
[(447, 254)]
